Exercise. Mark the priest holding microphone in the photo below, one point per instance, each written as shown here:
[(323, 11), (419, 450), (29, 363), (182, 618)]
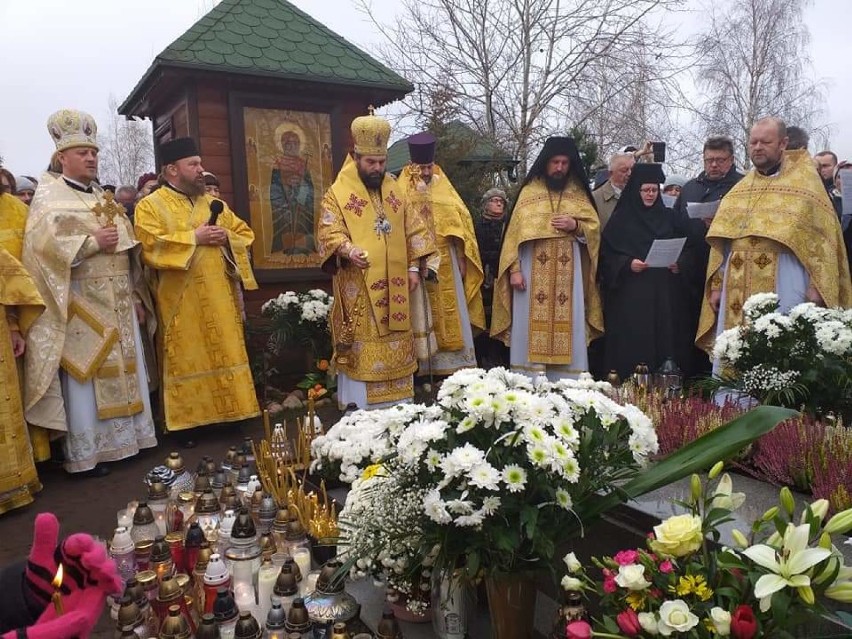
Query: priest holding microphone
[(199, 250)]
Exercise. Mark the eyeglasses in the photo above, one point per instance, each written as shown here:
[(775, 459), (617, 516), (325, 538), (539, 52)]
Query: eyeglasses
[(723, 160), (496, 199), (650, 189)]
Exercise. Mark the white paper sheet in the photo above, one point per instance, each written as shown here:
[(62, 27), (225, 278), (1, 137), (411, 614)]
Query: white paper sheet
[(664, 253), (702, 210), (846, 189)]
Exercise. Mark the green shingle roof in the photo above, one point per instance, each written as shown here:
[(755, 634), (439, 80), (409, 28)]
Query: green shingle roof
[(273, 38)]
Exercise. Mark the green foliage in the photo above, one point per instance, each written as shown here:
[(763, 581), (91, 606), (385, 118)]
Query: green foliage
[(588, 148)]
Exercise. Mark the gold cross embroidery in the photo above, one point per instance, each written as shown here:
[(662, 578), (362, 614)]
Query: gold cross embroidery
[(110, 209)]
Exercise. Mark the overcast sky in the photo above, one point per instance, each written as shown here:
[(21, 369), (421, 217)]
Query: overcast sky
[(64, 53)]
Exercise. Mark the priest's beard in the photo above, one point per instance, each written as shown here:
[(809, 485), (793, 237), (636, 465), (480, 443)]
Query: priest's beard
[(557, 181), (191, 187), (372, 180)]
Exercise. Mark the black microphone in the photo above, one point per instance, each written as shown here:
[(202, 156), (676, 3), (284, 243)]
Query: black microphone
[(216, 207)]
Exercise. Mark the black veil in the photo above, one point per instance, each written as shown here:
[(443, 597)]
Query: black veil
[(557, 145)]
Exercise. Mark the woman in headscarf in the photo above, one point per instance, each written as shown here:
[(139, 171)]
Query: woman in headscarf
[(645, 308)]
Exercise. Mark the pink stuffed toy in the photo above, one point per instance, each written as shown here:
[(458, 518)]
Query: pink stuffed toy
[(89, 576)]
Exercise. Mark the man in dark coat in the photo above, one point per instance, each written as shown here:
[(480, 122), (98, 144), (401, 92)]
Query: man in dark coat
[(712, 184)]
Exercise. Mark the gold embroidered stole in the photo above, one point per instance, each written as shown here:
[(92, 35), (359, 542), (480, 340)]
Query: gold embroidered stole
[(376, 224), (551, 310), (531, 222), (104, 282), (753, 267), (788, 212)]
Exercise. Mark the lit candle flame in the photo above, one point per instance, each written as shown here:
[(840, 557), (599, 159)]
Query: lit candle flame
[(56, 597), (57, 578)]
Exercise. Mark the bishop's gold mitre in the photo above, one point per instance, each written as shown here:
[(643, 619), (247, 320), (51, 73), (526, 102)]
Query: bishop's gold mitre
[(370, 133), (70, 128)]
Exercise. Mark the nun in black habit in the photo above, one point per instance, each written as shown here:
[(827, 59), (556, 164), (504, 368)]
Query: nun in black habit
[(645, 309)]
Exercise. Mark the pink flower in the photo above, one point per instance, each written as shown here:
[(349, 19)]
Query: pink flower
[(666, 567), (578, 630), (626, 557), (628, 621), (609, 585)]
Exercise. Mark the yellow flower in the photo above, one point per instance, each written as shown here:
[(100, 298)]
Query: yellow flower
[(678, 536), (692, 585), (636, 599), (372, 471)]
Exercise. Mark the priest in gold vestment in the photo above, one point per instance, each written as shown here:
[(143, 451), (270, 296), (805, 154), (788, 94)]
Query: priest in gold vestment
[(200, 262), (13, 220), (18, 478), (455, 298), (774, 232), (373, 242), (546, 302), (85, 375)]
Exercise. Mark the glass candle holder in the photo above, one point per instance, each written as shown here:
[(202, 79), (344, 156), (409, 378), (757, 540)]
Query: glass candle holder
[(123, 552)]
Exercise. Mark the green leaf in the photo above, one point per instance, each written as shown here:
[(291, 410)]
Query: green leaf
[(719, 444), (472, 564)]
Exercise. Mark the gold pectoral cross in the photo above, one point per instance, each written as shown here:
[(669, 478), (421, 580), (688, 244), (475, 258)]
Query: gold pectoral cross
[(109, 208)]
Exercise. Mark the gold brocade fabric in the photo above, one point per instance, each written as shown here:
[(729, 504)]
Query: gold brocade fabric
[(792, 210), (13, 220), (530, 222), (205, 372), (60, 222), (368, 347), (362, 213), (18, 478), (753, 267), (104, 283), (551, 308), (452, 225)]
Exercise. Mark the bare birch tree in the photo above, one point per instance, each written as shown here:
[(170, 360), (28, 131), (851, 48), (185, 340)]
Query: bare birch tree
[(523, 69), (753, 62), (127, 150)]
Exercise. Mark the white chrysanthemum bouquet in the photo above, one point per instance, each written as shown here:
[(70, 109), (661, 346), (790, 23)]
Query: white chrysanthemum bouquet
[(498, 470), (300, 318), (801, 358)]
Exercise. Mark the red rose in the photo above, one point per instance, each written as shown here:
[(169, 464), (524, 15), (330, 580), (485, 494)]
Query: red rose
[(628, 621), (626, 557), (609, 585), (743, 623), (578, 630)]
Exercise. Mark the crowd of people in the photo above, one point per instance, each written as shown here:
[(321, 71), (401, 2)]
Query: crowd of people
[(559, 281), (112, 296), (112, 299)]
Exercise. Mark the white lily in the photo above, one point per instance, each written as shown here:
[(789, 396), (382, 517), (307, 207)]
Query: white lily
[(724, 497), (788, 564)]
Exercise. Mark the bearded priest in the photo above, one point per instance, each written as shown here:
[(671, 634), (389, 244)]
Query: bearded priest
[(84, 369), (374, 243), (455, 298), (546, 302), (774, 232), (199, 249)]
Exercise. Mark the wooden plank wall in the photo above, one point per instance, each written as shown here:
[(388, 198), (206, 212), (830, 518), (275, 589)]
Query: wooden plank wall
[(214, 137)]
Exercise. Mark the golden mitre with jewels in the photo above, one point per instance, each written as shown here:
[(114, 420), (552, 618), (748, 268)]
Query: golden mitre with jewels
[(370, 133), (70, 128)]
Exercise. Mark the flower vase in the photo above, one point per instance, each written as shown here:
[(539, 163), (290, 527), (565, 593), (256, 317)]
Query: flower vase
[(511, 605), (452, 599)]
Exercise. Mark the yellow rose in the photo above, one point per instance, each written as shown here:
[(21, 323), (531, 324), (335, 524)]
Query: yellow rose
[(678, 536)]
